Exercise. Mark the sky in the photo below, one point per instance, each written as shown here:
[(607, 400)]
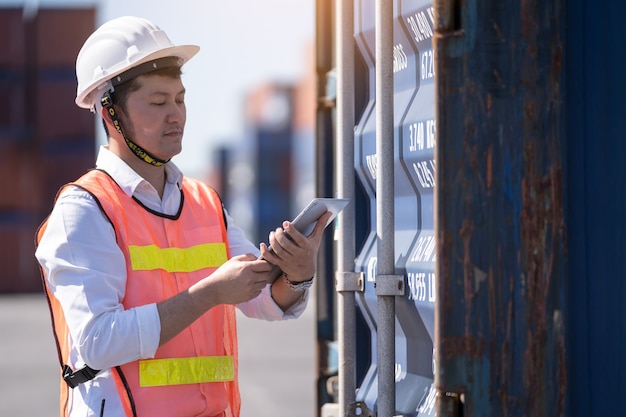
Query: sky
[(244, 43)]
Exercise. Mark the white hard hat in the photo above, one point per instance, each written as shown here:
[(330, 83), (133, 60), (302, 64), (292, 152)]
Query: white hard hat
[(116, 47)]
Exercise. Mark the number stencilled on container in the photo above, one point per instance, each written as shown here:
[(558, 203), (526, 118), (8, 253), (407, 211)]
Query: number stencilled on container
[(424, 249), (422, 23), (427, 64), (426, 172), (422, 135), (400, 59), (421, 286)]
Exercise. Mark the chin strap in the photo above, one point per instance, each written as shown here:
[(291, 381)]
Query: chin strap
[(141, 153)]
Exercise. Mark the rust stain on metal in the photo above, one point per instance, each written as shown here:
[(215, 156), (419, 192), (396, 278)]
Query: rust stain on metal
[(489, 167), (444, 16), (522, 284), (467, 345), (533, 222), (541, 218), (466, 237), (541, 229), (444, 243)]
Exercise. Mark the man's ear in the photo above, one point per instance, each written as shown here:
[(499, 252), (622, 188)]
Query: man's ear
[(104, 113), (108, 122)]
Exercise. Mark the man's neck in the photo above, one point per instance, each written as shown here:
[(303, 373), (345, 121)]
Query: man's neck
[(155, 175)]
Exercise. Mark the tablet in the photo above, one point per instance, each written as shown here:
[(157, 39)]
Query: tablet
[(305, 221)]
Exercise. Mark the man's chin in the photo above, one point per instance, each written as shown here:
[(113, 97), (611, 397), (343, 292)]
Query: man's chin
[(173, 152)]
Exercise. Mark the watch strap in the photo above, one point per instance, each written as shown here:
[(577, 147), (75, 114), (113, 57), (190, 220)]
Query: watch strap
[(298, 286)]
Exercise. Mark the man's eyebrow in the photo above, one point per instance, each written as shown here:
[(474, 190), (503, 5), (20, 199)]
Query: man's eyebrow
[(165, 93)]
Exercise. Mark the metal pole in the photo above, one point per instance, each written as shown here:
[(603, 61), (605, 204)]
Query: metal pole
[(386, 282), (346, 306)]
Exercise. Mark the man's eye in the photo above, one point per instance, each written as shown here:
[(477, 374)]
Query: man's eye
[(160, 103)]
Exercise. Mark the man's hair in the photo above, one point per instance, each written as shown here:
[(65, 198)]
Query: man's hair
[(122, 91)]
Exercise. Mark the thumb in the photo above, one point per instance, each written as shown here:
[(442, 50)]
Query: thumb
[(245, 257), (320, 226)]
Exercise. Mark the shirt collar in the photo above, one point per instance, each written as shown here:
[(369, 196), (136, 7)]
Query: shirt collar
[(126, 177)]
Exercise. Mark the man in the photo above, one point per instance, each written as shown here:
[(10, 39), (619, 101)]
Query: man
[(142, 266)]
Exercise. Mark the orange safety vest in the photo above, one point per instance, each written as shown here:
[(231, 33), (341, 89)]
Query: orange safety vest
[(195, 373)]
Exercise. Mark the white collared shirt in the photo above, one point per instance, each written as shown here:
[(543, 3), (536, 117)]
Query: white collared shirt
[(86, 271)]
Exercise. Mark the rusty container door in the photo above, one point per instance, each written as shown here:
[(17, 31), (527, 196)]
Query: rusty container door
[(500, 325)]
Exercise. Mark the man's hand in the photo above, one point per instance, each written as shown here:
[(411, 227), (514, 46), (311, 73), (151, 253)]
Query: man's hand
[(240, 279), (294, 253)]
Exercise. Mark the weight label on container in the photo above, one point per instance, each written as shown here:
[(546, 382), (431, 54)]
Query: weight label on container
[(422, 135), (426, 172), (427, 65), (422, 24), (424, 250), (422, 286)]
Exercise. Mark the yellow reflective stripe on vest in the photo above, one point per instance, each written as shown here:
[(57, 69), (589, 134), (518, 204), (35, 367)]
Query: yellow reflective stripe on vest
[(206, 255), (176, 371)]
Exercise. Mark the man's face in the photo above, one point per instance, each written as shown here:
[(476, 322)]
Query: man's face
[(155, 115)]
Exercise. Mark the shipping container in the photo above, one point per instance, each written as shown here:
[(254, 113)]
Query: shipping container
[(477, 272), (45, 139)]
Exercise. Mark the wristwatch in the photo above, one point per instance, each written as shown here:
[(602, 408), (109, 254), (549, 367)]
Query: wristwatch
[(298, 286)]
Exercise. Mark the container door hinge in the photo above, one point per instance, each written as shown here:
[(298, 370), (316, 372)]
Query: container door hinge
[(389, 285), (359, 409), (349, 281), (450, 404)]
